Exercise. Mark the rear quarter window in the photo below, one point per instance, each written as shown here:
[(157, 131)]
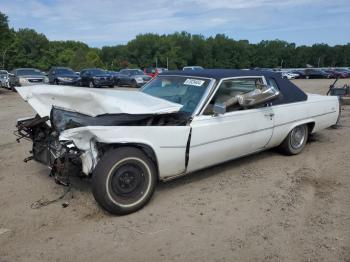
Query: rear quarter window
[(272, 82)]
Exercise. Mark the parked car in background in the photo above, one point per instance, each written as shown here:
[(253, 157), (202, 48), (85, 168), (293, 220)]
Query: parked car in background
[(300, 73), (96, 77), (289, 75), (153, 72), (4, 79), (311, 73), (179, 123), (191, 68), (114, 75), (336, 74), (26, 76), (344, 71), (63, 76), (132, 77)]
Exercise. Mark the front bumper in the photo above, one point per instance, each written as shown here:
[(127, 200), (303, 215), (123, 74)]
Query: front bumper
[(68, 82), (142, 83), (99, 82)]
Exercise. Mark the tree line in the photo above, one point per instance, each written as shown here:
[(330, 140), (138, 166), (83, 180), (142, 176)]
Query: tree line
[(28, 48)]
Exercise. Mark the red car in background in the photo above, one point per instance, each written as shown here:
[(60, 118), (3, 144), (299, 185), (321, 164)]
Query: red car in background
[(337, 73), (154, 71), (343, 71)]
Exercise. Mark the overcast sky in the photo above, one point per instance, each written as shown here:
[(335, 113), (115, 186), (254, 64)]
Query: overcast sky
[(111, 22)]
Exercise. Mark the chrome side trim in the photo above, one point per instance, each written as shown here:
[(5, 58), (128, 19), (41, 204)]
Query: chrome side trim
[(230, 137), (172, 146)]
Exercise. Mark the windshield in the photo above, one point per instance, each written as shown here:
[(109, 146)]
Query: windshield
[(136, 72), (187, 91), (23, 72), (97, 72), (64, 71)]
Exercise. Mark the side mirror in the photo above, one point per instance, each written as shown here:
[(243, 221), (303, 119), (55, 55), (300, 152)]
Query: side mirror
[(258, 96), (219, 109)]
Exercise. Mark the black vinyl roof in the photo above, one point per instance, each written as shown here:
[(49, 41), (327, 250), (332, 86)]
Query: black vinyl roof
[(221, 73), (290, 93)]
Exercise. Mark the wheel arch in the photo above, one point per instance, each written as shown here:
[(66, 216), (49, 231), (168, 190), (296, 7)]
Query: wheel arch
[(310, 126), (309, 122), (145, 148)]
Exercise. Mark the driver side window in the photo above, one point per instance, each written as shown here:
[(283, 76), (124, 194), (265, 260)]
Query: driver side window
[(229, 89)]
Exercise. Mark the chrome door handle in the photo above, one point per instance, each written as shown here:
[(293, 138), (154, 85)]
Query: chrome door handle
[(270, 115)]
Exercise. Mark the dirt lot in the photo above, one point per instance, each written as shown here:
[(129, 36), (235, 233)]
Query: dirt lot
[(265, 207)]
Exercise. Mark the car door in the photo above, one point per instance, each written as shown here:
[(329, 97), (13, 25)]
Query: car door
[(237, 132), (128, 78), (82, 77), (85, 77), (123, 77), (12, 78)]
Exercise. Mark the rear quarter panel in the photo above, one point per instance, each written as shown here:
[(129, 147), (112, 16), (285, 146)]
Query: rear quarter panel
[(323, 111)]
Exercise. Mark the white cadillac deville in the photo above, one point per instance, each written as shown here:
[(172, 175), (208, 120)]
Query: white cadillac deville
[(180, 122)]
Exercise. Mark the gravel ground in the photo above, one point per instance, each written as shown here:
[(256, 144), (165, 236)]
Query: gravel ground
[(264, 207)]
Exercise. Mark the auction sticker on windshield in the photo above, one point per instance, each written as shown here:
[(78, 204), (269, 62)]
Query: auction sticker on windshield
[(194, 82)]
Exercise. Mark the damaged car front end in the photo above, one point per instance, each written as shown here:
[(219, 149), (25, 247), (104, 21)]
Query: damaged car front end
[(62, 157), (75, 129), (56, 147)]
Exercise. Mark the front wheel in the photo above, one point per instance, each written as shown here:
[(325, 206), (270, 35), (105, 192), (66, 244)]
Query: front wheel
[(295, 142), (134, 84), (124, 180)]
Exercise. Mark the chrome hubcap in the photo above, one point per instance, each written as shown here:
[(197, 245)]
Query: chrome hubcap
[(297, 137)]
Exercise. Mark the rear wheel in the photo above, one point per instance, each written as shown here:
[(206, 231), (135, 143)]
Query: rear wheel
[(295, 142), (124, 180)]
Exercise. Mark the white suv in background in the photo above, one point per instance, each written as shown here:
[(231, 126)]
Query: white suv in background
[(4, 79)]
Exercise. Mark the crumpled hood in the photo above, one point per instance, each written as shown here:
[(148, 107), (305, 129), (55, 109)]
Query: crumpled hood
[(93, 102)]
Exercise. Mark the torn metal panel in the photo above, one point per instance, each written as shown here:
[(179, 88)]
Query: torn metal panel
[(170, 148), (94, 102), (62, 119)]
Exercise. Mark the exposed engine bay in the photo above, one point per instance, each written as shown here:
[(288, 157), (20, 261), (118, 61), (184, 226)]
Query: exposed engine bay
[(63, 157)]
